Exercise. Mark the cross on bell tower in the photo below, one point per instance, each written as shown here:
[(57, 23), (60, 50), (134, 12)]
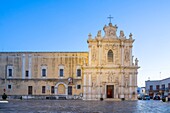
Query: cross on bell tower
[(110, 18)]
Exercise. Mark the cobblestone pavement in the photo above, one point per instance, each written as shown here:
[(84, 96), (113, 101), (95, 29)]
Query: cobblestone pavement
[(79, 106)]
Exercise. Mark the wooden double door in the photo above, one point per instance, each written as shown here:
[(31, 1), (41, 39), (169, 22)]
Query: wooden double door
[(110, 91)]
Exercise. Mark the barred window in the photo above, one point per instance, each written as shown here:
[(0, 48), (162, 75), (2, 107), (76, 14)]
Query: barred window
[(110, 56), (78, 72), (43, 72), (61, 72), (27, 73), (10, 72)]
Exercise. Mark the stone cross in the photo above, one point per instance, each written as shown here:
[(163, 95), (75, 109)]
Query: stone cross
[(110, 17)]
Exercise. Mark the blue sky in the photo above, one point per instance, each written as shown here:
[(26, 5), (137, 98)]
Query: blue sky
[(64, 25)]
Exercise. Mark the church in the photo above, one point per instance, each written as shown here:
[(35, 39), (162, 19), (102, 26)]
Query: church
[(108, 70)]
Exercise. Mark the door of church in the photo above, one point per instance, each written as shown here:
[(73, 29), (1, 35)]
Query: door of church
[(110, 91), (69, 90)]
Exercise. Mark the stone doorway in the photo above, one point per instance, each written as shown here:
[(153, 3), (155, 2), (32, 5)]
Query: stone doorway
[(110, 91), (69, 90)]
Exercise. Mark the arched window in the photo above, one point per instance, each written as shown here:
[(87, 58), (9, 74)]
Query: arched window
[(110, 56)]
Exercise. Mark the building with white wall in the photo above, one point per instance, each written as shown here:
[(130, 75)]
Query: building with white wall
[(158, 87)]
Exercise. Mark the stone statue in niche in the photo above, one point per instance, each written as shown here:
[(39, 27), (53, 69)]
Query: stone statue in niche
[(110, 77), (126, 82), (127, 58), (116, 80), (94, 82), (93, 55)]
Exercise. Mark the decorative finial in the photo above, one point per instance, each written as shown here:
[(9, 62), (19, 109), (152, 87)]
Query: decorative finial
[(136, 62), (99, 33), (90, 36), (121, 34), (110, 17)]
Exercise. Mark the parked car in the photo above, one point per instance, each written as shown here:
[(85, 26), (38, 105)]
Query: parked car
[(146, 97), (140, 97), (157, 97)]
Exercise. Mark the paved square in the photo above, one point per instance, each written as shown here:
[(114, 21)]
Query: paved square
[(79, 106)]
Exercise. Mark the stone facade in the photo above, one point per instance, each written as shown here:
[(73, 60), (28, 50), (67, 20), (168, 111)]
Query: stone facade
[(105, 71)]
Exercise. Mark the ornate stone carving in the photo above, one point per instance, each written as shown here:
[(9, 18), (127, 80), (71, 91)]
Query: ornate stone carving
[(111, 77), (110, 31), (126, 82), (94, 84), (106, 46)]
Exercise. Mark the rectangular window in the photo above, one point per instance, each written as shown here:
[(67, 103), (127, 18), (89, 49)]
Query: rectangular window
[(61, 72), (9, 87), (44, 72), (10, 72), (151, 87), (157, 87), (52, 89), (29, 90), (27, 73), (163, 86), (78, 86), (78, 72), (168, 85), (43, 89)]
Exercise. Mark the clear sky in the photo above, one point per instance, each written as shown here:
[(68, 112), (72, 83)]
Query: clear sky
[(64, 25)]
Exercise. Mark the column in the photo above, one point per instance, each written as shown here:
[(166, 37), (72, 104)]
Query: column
[(100, 55), (30, 65), (130, 55), (84, 92), (122, 53), (89, 92), (130, 86), (122, 85), (89, 54), (136, 85), (23, 66)]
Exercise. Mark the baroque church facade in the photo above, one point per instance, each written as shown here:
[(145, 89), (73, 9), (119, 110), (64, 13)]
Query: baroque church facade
[(107, 70)]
